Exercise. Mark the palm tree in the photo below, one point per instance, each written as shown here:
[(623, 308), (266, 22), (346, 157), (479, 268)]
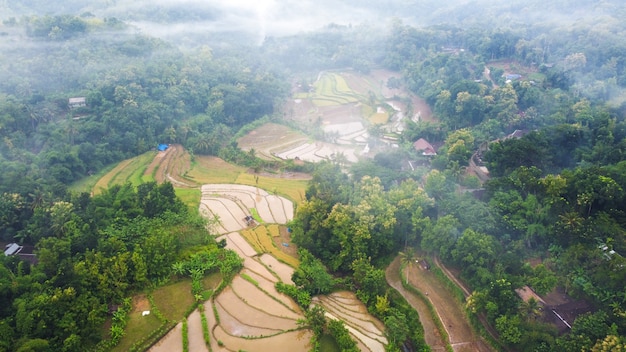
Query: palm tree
[(530, 309), (406, 258)]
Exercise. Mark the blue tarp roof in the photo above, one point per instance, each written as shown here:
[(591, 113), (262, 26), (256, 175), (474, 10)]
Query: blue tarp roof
[(162, 147)]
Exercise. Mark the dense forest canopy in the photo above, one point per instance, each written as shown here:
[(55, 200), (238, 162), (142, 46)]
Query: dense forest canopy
[(195, 73)]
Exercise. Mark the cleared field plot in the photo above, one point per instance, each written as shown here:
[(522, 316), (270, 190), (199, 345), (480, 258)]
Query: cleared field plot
[(138, 325), (364, 84), (367, 330), (269, 137), (88, 184), (210, 169), (174, 300), (269, 287), (318, 151), (238, 244), (232, 203), (171, 342), (449, 310), (171, 165), (103, 183)]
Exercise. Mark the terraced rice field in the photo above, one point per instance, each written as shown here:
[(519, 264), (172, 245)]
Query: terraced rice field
[(171, 165), (249, 314), (332, 89), (231, 204), (261, 240), (269, 138), (343, 105), (130, 170), (364, 328), (253, 316)]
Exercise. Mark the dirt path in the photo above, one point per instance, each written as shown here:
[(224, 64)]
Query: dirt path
[(466, 292), (462, 337), (487, 74), (431, 334)]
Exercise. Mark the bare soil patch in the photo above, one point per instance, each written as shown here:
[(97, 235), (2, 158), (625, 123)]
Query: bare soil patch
[(421, 107), (140, 303), (171, 165), (283, 242)]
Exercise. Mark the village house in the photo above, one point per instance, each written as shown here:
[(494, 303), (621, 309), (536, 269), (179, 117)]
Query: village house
[(12, 249), (422, 145), (77, 102)]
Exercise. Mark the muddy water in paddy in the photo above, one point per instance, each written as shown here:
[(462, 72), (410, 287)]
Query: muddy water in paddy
[(196, 336), (356, 318), (251, 316), (234, 326), (171, 342), (293, 341), (258, 299), (283, 270), (238, 244), (362, 326), (269, 287)]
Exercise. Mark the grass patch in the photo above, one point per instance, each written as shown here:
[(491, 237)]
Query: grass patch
[(133, 172), (189, 196), (129, 170), (249, 279), (332, 89), (207, 169), (327, 343), (103, 182), (138, 328), (211, 281), (256, 216), (174, 300), (87, 184)]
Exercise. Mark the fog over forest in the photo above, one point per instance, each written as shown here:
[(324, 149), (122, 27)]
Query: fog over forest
[(444, 173), (169, 18)]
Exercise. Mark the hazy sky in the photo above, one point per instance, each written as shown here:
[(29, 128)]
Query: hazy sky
[(259, 17)]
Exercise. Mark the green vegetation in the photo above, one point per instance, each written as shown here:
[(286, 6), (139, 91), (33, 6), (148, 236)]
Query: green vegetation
[(332, 89), (174, 300), (554, 195)]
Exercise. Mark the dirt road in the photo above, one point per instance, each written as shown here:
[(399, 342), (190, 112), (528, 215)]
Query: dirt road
[(451, 314), (431, 334)]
